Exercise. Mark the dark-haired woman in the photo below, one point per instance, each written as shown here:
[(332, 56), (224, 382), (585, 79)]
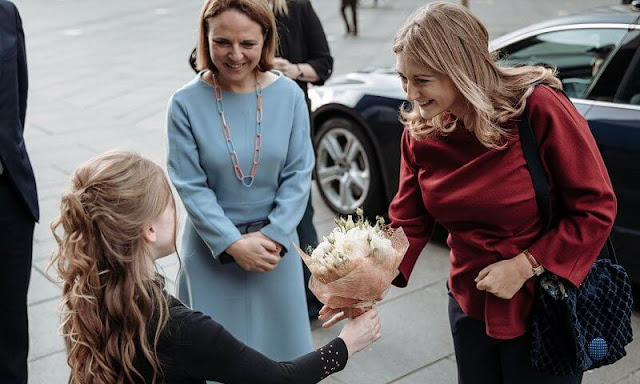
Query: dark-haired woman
[(240, 157)]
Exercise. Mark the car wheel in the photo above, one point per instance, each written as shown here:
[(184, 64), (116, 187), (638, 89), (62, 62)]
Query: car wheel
[(347, 171)]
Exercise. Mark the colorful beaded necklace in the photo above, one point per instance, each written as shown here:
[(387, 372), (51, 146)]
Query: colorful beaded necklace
[(247, 181)]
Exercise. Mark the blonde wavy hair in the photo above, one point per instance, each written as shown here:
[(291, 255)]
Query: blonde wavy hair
[(111, 303), (447, 39)]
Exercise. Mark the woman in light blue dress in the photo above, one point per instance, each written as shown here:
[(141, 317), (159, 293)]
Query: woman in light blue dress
[(255, 168)]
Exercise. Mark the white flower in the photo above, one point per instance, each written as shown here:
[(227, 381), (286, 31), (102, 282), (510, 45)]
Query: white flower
[(350, 224), (322, 249), (329, 239), (354, 244), (381, 246), (359, 234)]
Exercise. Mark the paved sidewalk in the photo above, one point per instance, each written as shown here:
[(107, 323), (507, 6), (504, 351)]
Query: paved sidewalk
[(101, 73)]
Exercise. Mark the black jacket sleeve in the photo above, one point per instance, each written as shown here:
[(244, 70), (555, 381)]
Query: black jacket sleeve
[(319, 54), (22, 69), (204, 350)]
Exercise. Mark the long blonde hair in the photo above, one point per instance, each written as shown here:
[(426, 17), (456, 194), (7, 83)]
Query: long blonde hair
[(449, 40), (109, 297)]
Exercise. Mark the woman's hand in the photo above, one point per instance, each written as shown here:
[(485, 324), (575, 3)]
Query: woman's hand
[(286, 67), (358, 333), (334, 316), (255, 254), (505, 278), (260, 235)]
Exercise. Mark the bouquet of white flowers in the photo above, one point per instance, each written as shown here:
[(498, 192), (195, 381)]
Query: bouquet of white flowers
[(355, 264)]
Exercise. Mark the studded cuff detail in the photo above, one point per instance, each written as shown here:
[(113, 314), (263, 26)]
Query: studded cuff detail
[(333, 357)]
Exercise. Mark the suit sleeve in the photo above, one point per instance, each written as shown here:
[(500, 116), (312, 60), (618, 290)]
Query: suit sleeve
[(586, 207), (23, 80), (295, 178), (206, 351), (407, 210), (319, 54), (190, 180)]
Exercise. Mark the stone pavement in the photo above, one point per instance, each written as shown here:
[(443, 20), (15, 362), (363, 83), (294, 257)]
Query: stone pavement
[(101, 73)]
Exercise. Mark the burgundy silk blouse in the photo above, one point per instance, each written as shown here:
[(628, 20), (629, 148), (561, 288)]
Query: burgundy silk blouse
[(485, 199)]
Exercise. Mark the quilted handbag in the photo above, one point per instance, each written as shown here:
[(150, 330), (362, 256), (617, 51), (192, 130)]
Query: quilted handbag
[(576, 329)]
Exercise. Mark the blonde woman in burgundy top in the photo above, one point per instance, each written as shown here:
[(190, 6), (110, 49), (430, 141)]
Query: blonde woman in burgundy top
[(463, 166)]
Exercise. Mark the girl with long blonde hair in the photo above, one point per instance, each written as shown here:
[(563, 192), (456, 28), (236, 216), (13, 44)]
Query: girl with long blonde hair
[(118, 322), (105, 260), (463, 166)]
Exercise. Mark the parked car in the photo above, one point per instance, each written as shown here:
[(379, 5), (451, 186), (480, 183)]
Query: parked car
[(357, 132)]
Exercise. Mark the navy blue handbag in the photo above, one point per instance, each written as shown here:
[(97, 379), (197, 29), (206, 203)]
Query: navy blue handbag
[(576, 329)]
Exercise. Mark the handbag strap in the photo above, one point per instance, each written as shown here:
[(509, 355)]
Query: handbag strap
[(532, 156), (540, 184)]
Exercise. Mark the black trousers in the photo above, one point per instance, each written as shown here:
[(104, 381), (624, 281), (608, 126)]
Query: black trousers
[(16, 242), (484, 360), (353, 4)]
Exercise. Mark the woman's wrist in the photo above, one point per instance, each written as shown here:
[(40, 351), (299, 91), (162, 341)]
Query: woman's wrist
[(524, 266), (535, 266), (309, 74), (346, 344), (300, 75), (236, 247)]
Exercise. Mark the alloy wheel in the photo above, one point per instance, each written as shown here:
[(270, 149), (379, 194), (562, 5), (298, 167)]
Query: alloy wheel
[(343, 170)]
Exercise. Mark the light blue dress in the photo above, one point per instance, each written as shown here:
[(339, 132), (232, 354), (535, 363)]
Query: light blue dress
[(266, 311)]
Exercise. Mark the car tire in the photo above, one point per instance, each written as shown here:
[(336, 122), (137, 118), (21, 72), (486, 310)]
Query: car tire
[(347, 171)]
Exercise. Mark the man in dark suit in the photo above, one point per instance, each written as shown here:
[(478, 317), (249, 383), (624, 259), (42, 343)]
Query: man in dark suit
[(18, 200)]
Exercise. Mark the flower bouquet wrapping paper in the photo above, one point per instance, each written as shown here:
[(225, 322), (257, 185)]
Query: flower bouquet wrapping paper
[(355, 264)]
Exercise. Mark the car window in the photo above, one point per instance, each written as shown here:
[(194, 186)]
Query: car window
[(620, 80), (578, 54)]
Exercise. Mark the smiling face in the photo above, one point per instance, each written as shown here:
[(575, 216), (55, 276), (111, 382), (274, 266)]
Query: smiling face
[(235, 45), (434, 93)]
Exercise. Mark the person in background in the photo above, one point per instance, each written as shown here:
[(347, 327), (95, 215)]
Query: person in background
[(352, 28), (118, 322), (240, 157), (18, 199), (303, 52), (304, 56)]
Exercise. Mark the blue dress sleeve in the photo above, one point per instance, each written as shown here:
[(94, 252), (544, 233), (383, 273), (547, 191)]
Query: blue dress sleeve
[(295, 178), (190, 180)]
